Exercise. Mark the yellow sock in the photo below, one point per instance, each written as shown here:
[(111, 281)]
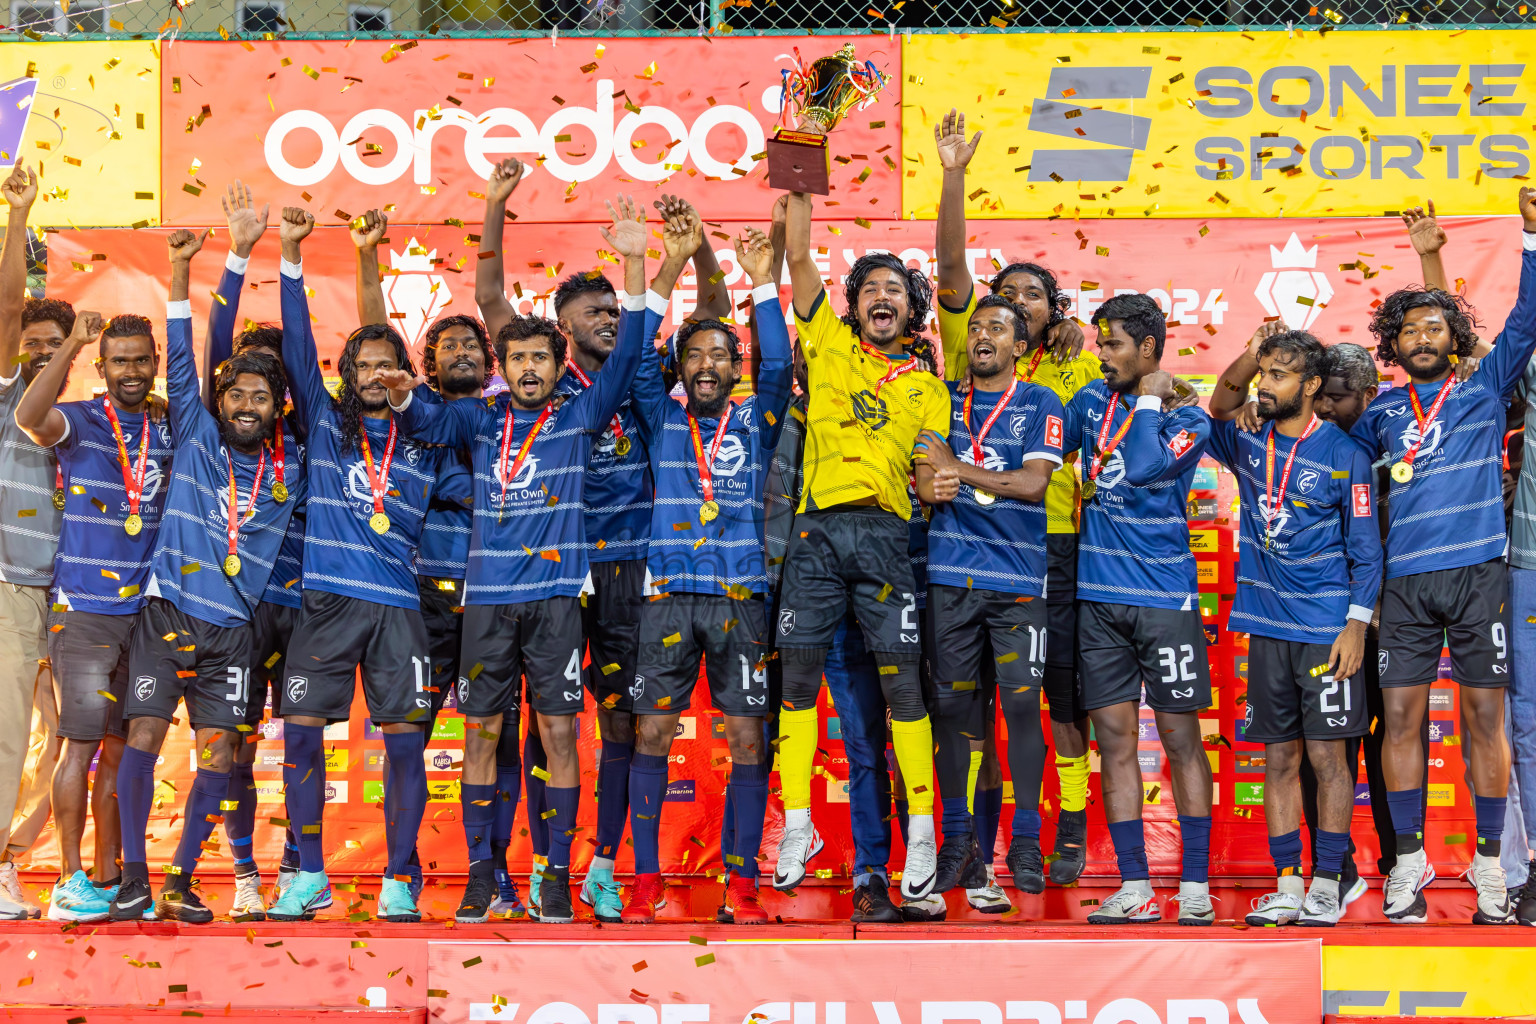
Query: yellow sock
[(1073, 773), (970, 782), (914, 753), (798, 731)]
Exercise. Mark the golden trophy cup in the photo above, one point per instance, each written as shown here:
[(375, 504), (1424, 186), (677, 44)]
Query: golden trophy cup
[(822, 94)]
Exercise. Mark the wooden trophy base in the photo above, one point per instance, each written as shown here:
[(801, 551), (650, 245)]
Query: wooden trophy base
[(799, 162)]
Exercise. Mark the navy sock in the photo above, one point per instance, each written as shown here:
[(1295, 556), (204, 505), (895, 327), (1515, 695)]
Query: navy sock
[(957, 816), (1026, 823), (901, 818), (479, 806), (509, 783), (988, 817), (1490, 823), (749, 803), (240, 820), (1328, 857), (647, 791), (562, 824), (1130, 839), (208, 790), (728, 828), (1285, 851), (1196, 830), (408, 780), (538, 825), (135, 797), (1407, 819), (304, 790), (612, 796)]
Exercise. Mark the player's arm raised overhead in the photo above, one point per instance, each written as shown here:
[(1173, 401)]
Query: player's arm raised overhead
[(1231, 392), (35, 413), (1507, 362), (714, 299), (754, 254), (20, 190), (246, 225), (367, 232), (680, 237), (596, 406), (301, 361), (490, 272), (804, 276), (1161, 445), (187, 411), (1428, 239), (955, 282)]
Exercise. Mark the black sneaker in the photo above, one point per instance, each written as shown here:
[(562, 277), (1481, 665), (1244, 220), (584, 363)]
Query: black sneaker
[(1525, 911), (133, 898), (975, 874), (872, 903), (479, 893), (176, 904), (1071, 852), (1027, 865), (955, 857), (555, 897)]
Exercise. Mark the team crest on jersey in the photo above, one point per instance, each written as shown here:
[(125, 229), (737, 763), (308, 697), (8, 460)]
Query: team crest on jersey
[(637, 688), (463, 688), (744, 414), (1383, 659), (412, 452), (870, 409), (143, 688), (1019, 421), (786, 622), (298, 686), (1410, 436), (1306, 480)]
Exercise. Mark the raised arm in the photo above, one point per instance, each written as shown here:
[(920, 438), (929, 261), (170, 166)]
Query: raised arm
[(804, 277), (181, 382), (714, 298), (367, 232), (680, 238), (596, 405), (36, 414), (754, 254), (490, 270), (306, 385), (1505, 364), (1428, 239), (955, 282), (1231, 392), (20, 190), (1150, 457), (246, 226)]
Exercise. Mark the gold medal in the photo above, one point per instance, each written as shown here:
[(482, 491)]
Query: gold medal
[(1402, 472), (622, 446), (232, 565), (279, 492), (133, 525), (708, 511), (379, 522), (58, 500), (984, 498), (1090, 488)]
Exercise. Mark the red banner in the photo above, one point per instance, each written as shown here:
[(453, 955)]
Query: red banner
[(417, 126), (1275, 981)]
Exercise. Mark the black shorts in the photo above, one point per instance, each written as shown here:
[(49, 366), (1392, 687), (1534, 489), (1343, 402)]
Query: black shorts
[(505, 642), (854, 558), (89, 655), (675, 630), (1062, 687), (981, 629), (1286, 701), (442, 612), (1465, 609), (208, 666), (1121, 647), (336, 635), (272, 632), (610, 617)]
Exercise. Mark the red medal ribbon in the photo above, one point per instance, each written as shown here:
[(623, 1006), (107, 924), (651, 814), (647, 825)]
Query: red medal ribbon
[(978, 436), (586, 382), (707, 462), (1034, 364), (236, 518), (1285, 474), (508, 475), (1106, 443), (277, 449), (378, 480), (133, 478), (895, 370), (1423, 420)]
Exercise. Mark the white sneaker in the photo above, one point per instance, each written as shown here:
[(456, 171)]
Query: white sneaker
[(285, 877), (1358, 889), (1403, 899), (1493, 905), (1195, 903), (247, 904), (1132, 903), (799, 844), (990, 898), (922, 867), (930, 908), (1323, 908), (13, 896), (1283, 906)]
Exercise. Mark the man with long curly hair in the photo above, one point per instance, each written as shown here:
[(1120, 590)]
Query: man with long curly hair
[(1446, 578)]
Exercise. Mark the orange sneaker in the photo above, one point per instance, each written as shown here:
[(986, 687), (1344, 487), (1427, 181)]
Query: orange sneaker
[(646, 896), (742, 903)]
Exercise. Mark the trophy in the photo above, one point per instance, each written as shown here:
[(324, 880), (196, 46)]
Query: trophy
[(823, 93)]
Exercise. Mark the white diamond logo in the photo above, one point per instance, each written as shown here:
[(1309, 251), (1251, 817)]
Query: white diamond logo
[(1294, 290), (414, 292)]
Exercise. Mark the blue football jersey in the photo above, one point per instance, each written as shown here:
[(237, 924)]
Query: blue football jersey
[(528, 541), (1451, 513), (618, 488), (1135, 537), (1305, 566), (724, 555), (998, 545), (188, 568), (444, 553), (342, 553)]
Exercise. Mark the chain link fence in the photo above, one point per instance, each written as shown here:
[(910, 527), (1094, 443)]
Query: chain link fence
[(257, 19)]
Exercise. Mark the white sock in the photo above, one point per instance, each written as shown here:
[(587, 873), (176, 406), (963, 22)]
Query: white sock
[(599, 863), (797, 818), (1291, 885), (919, 826)]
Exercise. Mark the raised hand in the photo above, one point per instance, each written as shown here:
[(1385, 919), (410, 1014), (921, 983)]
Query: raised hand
[(1266, 330), (296, 224), (20, 187), (503, 180), (949, 135), (184, 244), (1528, 207), (1423, 230), (399, 380), (626, 235), (88, 328), (680, 237), (246, 223), (754, 254), (367, 231)]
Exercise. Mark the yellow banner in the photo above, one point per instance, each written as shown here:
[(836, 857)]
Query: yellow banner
[(1260, 124), (88, 115), (1428, 981)]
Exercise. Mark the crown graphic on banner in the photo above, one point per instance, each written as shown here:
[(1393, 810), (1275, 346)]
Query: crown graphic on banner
[(1293, 255)]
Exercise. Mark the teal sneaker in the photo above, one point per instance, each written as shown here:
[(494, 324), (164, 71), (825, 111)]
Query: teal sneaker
[(396, 903), (534, 878), (76, 899), (601, 893), (308, 892)]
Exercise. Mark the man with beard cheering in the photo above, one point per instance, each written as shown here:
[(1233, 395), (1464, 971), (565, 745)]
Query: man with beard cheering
[(226, 515), (1446, 578), (869, 400)]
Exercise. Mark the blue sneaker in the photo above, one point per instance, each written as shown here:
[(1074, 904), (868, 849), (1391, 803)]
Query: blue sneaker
[(601, 893), (76, 899), (396, 902), (508, 903), (308, 892), (534, 878)]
